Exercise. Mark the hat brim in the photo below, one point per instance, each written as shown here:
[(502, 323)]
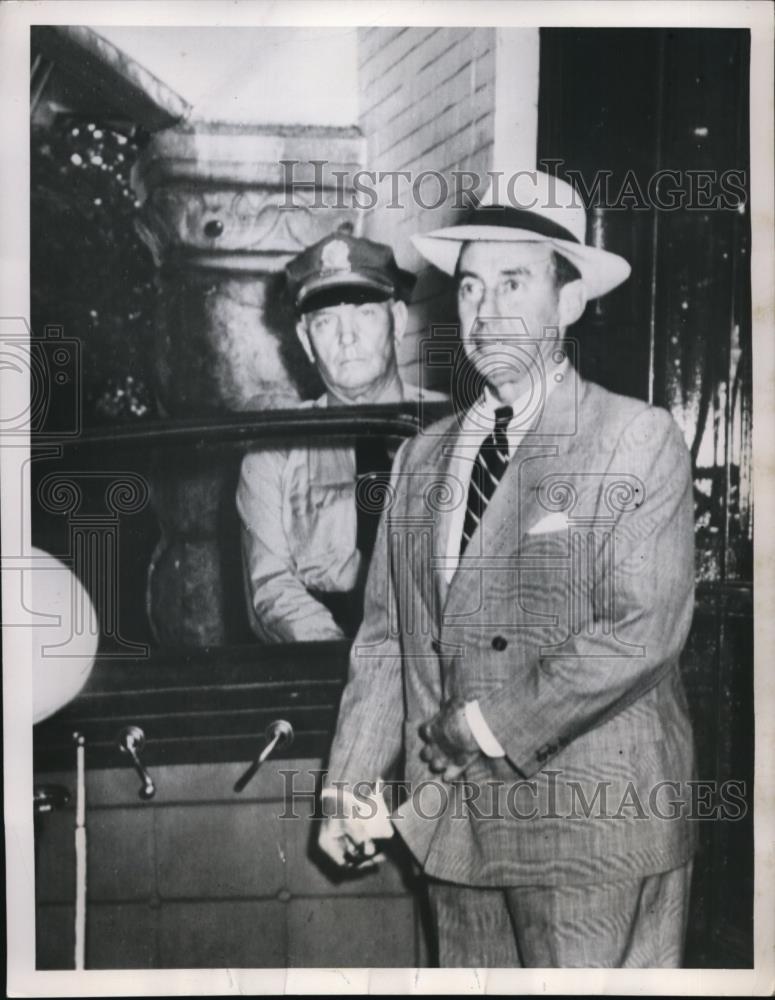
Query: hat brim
[(600, 270), (351, 279)]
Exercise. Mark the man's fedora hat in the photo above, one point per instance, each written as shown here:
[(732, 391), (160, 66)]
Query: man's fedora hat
[(345, 268), (529, 206)]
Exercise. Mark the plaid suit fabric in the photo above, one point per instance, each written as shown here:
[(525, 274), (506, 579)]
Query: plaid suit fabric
[(569, 640), (635, 924)]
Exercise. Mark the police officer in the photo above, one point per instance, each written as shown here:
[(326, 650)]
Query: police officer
[(302, 537)]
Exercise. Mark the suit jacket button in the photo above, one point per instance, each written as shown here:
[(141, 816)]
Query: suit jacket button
[(499, 643), (436, 646)]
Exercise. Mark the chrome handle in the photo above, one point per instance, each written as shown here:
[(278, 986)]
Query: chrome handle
[(131, 740), (278, 733)]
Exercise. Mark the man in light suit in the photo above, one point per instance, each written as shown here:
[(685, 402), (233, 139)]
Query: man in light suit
[(530, 593)]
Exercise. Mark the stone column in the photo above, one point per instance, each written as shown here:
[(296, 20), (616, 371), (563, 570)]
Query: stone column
[(222, 214)]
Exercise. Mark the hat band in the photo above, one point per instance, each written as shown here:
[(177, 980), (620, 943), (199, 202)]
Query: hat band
[(519, 218), (344, 279)]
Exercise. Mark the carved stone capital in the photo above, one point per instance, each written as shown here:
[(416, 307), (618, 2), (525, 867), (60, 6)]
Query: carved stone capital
[(244, 199)]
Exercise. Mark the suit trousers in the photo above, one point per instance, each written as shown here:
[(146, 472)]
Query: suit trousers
[(633, 923)]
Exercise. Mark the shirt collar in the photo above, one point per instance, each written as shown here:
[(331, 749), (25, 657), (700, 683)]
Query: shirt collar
[(393, 392), (525, 406)]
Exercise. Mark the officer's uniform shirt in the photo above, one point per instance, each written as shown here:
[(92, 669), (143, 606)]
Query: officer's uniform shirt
[(299, 525)]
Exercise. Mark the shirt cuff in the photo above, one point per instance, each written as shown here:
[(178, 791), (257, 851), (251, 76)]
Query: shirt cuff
[(483, 735), (371, 810)]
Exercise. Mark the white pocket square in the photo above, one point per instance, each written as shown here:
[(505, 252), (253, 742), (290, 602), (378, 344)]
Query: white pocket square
[(552, 522)]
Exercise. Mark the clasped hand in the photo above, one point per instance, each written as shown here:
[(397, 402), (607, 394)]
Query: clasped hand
[(348, 836), (450, 746)]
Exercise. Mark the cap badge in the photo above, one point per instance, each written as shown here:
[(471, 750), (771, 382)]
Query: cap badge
[(336, 256)]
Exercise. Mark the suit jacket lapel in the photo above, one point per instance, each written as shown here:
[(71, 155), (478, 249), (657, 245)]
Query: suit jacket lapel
[(515, 506), (422, 531), (441, 518)]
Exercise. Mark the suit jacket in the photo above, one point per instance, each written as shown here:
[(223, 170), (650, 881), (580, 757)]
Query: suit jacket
[(565, 620)]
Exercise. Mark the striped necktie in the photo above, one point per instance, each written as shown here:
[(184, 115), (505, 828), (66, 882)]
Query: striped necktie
[(487, 472)]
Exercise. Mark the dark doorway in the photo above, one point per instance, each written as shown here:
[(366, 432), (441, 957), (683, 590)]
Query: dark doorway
[(653, 127)]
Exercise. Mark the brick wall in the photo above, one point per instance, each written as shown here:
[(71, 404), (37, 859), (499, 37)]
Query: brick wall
[(426, 104), (440, 99), (202, 877)]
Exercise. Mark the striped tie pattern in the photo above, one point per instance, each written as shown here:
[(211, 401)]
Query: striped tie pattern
[(487, 471)]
